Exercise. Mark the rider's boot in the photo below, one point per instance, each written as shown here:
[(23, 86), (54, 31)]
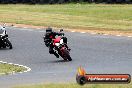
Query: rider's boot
[(51, 51), (57, 56)]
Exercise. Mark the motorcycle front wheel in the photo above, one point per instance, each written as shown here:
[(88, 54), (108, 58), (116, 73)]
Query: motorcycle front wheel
[(9, 44), (67, 55)]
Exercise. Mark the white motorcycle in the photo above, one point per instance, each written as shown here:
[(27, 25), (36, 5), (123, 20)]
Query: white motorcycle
[(4, 41)]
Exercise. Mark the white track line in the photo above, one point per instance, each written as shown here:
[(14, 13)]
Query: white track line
[(129, 36), (38, 28), (15, 26), (41, 31), (28, 69), (10, 63), (26, 28), (93, 33), (72, 31), (105, 34), (118, 35), (83, 32)]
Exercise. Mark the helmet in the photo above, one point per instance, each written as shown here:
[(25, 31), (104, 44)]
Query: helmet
[(48, 30), (1, 28)]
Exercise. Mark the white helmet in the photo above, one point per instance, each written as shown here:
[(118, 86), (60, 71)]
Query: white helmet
[(2, 28)]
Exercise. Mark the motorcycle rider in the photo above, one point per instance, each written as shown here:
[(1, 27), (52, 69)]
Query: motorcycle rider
[(4, 42), (1, 29), (49, 36)]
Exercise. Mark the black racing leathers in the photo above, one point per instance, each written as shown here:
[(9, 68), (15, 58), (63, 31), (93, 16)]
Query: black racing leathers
[(48, 38)]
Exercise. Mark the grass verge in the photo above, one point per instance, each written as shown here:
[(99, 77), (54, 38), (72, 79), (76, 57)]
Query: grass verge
[(6, 69), (77, 16), (78, 86)]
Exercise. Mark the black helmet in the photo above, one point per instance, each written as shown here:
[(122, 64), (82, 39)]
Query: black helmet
[(49, 29)]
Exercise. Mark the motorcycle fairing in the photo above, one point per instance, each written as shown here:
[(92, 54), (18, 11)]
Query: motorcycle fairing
[(57, 40)]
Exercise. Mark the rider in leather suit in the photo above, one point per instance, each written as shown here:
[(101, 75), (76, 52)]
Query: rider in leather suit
[(48, 37)]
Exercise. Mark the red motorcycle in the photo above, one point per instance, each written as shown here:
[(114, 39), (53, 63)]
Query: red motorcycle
[(61, 47)]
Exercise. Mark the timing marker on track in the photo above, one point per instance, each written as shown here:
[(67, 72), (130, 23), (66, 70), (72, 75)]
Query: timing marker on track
[(28, 69)]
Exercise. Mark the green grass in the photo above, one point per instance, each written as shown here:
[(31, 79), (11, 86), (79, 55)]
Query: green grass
[(84, 16), (6, 69), (77, 86)]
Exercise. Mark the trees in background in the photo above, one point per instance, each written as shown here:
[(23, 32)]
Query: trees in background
[(61, 1)]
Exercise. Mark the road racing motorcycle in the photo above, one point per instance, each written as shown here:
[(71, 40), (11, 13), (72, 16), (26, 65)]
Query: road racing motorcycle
[(60, 47), (4, 41)]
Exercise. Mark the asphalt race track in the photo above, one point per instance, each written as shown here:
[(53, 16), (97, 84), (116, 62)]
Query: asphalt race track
[(96, 53)]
